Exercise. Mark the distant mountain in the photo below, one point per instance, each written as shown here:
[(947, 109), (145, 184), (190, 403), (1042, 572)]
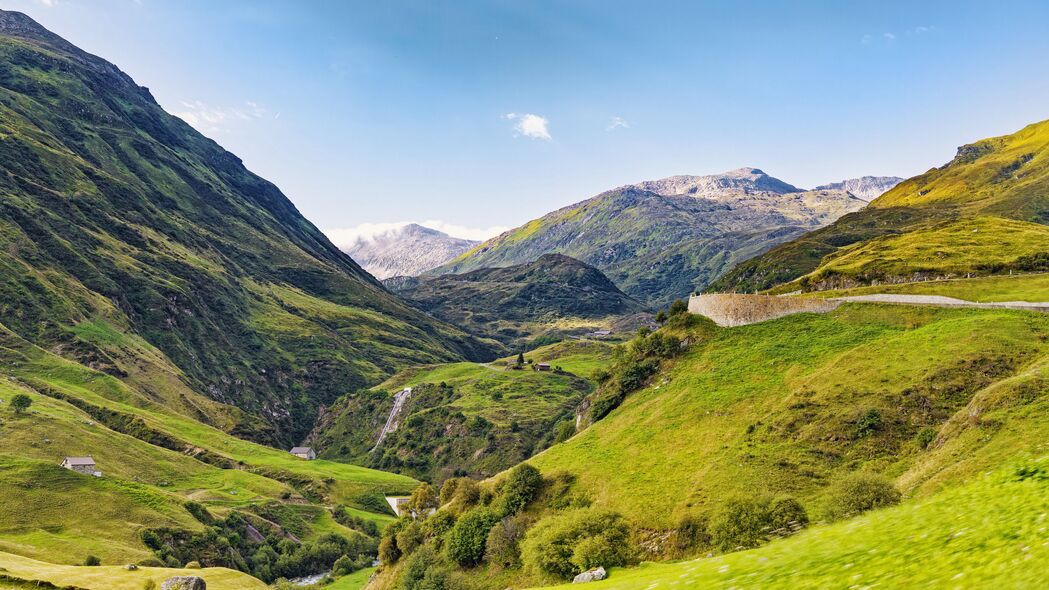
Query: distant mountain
[(555, 294), (406, 251), (135, 245), (867, 188), (985, 211), (660, 240)]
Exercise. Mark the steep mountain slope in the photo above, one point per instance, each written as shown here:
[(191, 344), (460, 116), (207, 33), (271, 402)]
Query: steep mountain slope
[(660, 240), (867, 188), (463, 418), (124, 230), (1003, 181), (553, 295), (406, 251)]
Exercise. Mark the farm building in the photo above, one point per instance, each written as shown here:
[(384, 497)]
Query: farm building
[(542, 367), (304, 453), (85, 465), (398, 503)]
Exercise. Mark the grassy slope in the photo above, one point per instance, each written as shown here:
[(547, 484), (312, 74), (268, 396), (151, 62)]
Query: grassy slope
[(115, 213), (434, 440), (775, 406), (1002, 177), (1019, 287), (990, 532), (117, 578)]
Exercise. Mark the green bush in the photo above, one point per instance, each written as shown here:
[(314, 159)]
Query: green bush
[(149, 585), (564, 430), (569, 543), (860, 492), (925, 437), (193, 565), (343, 566), (92, 560), (690, 533), (502, 548), (388, 552), (868, 423), (749, 522), (423, 571), (521, 487), (459, 494), (408, 538), (21, 402), (467, 539)]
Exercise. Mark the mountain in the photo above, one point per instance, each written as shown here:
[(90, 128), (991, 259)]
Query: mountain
[(660, 240), (983, 212), (551, 296), (406, 251), (867, 188), (135, 245)]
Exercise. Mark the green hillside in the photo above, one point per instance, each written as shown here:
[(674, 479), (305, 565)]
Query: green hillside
[(131, 239), (986, 533), (981, 213), (773, 422), (658, 241), (464, 418), (548, 298)]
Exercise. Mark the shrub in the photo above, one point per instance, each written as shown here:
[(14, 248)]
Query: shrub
[(520, 488), (868, 423), (925, 437), (149, 585), (564, 430), (423, 571), (193, 565), (464, 494), (679, 306), (408, 538), (466, 540), (437, 525), (21, 402), (691, 532), (343, 566), (388, 552), (749, 522), (92, 560), (150, 562), (566, 544), (503, 545), (860, 492)]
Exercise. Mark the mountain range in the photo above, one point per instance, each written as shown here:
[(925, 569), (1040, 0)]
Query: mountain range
[(408, 250), (660, 240)]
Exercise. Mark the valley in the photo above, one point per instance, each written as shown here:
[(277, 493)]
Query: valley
[(719, 380)]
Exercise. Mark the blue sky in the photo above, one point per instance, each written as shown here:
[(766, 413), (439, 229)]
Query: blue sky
[(480, 115)]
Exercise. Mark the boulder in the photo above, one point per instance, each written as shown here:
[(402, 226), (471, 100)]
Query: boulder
[(184, 583), (598, 573)]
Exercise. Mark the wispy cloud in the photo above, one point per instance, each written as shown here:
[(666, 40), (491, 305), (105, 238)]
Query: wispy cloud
[(346, 237), (530, 125), (890, 37), (209, 119), (47, 2), (617, 123)]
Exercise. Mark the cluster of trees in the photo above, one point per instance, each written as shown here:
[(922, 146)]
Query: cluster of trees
[(230, 543), (632, 365), (478, 526)]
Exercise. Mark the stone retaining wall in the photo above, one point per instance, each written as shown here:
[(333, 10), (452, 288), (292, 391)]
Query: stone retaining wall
[(735, 309)]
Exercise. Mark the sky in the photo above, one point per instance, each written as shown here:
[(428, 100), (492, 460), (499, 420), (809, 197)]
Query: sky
[(473, 117)]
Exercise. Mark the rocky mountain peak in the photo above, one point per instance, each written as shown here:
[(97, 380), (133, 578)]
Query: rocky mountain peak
[(744, 180), (866, 188)]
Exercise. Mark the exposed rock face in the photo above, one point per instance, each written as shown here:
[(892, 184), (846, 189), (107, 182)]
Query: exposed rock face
[(406, 251), (867, 188), (745, 180), (184, 583), (595, 575)]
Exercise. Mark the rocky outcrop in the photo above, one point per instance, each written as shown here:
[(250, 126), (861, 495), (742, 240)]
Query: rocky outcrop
[(593, 575), (184, 583)]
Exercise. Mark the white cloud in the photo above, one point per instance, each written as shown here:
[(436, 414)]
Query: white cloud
[(616, 123), (346, 237), (530, 125), (208, 119), (47, 2), (889, 36)]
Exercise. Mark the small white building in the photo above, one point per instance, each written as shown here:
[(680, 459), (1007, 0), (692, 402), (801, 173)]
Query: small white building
[(304, 453), (85, 465), (398, 503)]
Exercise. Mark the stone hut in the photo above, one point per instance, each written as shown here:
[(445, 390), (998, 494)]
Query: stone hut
[(85, 465), (306, 453)]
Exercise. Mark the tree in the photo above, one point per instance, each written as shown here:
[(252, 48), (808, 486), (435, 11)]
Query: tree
[(572, 542), (520, 488), (21, 402), (860, 492), (520, 358), (467, 539), (661, 317), (92, 561), (423, 499), (677, 307)]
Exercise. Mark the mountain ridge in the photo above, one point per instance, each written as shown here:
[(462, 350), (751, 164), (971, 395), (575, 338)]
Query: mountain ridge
[(409, 250)]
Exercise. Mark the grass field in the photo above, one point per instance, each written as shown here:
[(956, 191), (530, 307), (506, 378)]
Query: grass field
[(988, 533), (776, 407), (116, 577), (1019, 287)]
